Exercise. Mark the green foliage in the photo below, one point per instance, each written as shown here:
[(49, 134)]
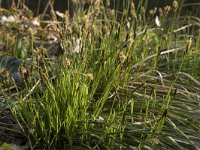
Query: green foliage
[(131, 83)]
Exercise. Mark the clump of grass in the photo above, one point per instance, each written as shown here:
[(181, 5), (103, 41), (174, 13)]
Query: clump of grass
[(61, 109), (123, 82)]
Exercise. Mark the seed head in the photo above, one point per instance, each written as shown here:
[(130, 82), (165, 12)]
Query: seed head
[(133, 11), (167, 9), (175, 5), (5, 74), (66, 63), (107, 3), (43, 76), (90, 76), (22, 71), (189, 45)]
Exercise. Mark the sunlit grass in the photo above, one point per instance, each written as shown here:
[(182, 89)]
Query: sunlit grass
[(128, 82)]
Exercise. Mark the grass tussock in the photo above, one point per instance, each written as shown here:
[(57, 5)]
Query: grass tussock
[(102, 79)]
